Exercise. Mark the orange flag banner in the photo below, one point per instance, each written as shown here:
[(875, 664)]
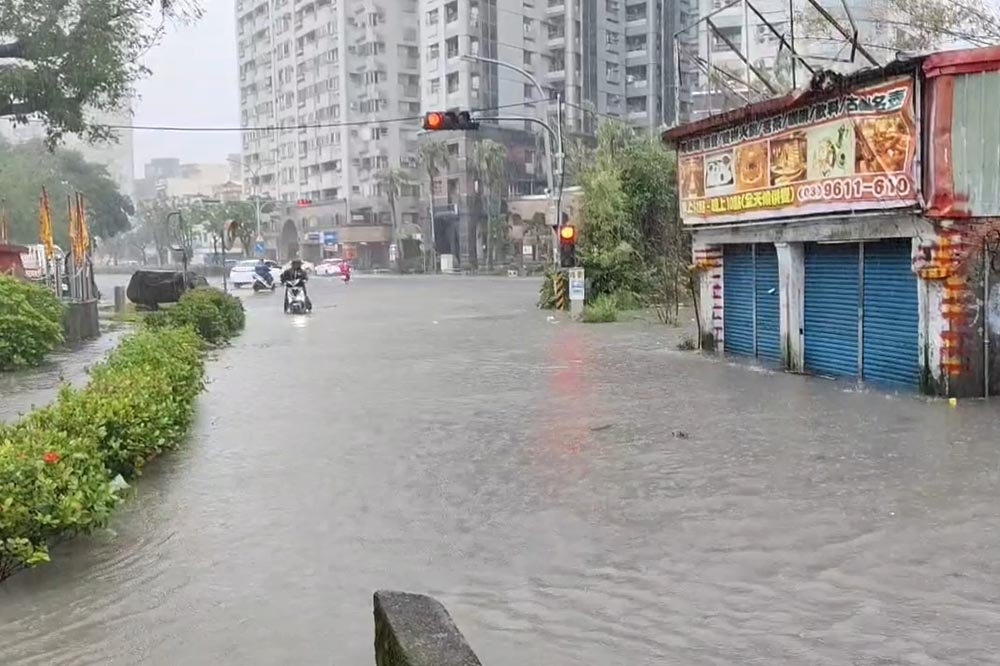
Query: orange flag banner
[(45, 224)]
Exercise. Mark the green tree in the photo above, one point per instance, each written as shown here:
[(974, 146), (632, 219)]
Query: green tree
[(632, 244), (908, 25), (63, 59), (490, 164), (433, 156), (238, 215), (28, 167), (392, 182)]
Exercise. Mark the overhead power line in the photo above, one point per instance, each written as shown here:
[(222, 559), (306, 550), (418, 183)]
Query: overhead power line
[(306, 126)]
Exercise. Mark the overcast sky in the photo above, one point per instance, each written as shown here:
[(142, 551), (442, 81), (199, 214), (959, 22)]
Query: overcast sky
[(194, 82)]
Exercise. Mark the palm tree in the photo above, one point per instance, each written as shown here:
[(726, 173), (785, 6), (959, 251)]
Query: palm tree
[(490, 160), (434, 156), (392, 181)]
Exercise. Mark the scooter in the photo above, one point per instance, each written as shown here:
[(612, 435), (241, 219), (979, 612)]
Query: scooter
[(295, 298), (261, 283)]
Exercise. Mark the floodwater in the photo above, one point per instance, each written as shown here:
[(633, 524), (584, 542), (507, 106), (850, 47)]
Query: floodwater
[(573, 494)]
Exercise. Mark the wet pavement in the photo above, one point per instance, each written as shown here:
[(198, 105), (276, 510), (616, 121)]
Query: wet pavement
[(573, 494)]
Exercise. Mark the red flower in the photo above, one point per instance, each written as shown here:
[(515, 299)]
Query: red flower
[(51, 458)]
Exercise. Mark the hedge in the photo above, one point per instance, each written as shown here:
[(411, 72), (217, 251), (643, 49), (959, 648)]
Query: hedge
[(59, 466), (215, 315), (30, 323)]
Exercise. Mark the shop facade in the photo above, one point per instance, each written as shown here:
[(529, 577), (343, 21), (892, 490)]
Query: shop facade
[(852, 230), (809, 222)]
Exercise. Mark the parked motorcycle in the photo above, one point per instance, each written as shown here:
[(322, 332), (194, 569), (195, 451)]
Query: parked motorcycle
[(295, 298), (261, 283)]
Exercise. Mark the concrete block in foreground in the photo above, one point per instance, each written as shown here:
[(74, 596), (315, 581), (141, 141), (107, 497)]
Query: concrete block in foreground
[(416, 630)]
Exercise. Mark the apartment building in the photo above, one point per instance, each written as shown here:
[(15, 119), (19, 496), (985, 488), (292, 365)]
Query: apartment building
[(329, 76), (817, 41), (605, 58)]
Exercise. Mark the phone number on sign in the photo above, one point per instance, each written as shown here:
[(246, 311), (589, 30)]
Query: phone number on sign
[(892, 186)]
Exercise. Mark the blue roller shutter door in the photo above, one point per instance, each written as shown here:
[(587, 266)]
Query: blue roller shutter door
[(738, 299), (890, 347), (832, 297), (768, 302)]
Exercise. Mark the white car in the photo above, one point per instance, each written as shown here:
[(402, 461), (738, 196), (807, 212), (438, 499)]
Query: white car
[(329, 267), (242, 273)]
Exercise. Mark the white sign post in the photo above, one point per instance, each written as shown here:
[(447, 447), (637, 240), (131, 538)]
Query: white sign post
[(577, 289)]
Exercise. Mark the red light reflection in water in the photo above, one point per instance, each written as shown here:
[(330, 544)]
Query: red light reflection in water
[(563, 421)]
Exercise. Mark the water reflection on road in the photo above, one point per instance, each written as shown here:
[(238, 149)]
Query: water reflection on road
[(574, 494)]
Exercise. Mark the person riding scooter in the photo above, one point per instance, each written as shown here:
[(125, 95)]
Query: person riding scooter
[(345, 271), (295, 273), (262, 270)]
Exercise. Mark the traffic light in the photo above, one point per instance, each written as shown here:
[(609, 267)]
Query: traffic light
[(437, 121), (567, 246)]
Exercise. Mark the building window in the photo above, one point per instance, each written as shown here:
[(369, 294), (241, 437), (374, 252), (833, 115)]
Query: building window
[(474, 45), (529, 91), (453, 82), (611, 38), (432, 17), (613, 72), (529, 27), (451, 47), (635, 43), (451, 12), (528, 57), (733, 34), (433, 52), (474, 82), (453, 150), (435, 87)]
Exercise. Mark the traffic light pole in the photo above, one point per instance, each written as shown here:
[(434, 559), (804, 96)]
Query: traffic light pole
[(550, 171)]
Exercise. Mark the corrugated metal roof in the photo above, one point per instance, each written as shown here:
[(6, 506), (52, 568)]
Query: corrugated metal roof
[(975, 142), (962, 61)]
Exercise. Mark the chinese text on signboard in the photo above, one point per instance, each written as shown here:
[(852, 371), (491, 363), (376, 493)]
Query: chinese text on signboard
[(853, 152)]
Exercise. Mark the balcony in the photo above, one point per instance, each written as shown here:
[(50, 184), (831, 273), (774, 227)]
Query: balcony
[(556, 7), (556, 41)]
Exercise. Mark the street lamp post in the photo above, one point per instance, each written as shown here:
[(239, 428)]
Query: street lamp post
[(256, 194), (550, 171)]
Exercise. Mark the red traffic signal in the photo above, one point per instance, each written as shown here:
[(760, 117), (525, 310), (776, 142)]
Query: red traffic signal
[(567, 246), (436, 121)]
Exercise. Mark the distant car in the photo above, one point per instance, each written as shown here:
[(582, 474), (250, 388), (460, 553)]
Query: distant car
[(309, 266), (242, 273), (329, 267)]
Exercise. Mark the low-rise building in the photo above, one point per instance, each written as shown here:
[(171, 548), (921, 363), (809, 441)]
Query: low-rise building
[(849, 230)]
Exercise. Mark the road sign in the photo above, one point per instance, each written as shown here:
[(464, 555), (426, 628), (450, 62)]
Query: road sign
[(527, 250), (259, 249), (260, 238), (331, 238), (576, 284)]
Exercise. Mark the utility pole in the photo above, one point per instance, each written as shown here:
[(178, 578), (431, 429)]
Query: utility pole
[(550, 163)]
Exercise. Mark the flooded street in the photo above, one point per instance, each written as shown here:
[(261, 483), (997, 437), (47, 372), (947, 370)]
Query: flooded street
[(573, 494)]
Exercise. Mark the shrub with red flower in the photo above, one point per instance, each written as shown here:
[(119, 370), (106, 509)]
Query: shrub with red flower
[(51, 458)]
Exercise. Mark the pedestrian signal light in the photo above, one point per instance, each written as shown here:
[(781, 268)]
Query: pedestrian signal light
[(567, 246), (436, 121)]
